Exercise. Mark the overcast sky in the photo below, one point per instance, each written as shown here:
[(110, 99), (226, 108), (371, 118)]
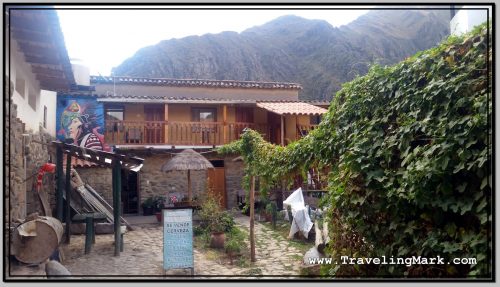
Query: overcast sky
[(103, 39)]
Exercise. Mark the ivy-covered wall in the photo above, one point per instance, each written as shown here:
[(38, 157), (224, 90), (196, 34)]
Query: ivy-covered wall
[(409, 149)]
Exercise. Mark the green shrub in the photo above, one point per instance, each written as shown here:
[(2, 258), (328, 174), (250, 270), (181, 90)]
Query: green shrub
[(213, 218), (198, 230), (409, 153)]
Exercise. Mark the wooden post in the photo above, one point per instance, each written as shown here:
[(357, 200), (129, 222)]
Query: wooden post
[(60, 183), (89, 233), (282, 130), (252, 219), (68, 198), (296, 127), (319, 241), (166, 124), (224, 128), (116, 203), (190, 193)]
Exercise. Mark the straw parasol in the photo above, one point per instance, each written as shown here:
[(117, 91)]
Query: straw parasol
[(188, 160)]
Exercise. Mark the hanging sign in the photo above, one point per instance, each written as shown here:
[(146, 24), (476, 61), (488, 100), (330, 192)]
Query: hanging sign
[(178, 239)]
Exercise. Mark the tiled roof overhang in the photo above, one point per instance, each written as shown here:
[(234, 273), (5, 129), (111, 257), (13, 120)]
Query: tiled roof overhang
[(170, 100), (40, 39), (291, 108), (194, 83)]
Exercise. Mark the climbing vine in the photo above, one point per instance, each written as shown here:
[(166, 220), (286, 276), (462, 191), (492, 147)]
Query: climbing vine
[(409, 152)]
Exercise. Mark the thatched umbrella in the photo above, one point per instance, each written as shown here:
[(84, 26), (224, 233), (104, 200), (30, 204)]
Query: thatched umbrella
[(188, 160)]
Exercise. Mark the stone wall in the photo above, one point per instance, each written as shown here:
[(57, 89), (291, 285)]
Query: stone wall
[(234, 171), (100, 179), (37, 151), (29, 150), (154, 182)]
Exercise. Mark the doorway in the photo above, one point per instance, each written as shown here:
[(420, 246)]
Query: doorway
[(130, 192), (154, 125), (217, 181), (274, 122)]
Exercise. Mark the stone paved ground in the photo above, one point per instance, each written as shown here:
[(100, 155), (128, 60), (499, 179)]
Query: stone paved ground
[(143, 256)]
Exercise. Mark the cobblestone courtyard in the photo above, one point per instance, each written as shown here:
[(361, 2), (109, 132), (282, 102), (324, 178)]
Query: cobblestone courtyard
[(143, 256)]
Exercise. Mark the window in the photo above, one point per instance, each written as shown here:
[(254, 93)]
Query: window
[(20, 86), (44, 116), (204, 114), (114, 113), (32, 100), (315, 119)]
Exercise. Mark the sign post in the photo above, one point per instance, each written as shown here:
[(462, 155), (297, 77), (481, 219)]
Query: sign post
[(178, 239)]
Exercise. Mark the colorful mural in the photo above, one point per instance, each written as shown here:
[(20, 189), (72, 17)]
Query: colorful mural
[(81, 119)]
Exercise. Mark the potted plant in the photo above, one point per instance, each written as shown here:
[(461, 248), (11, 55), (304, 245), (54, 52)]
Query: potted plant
[(159, 204), (215, 221), (148, 206), (263, 210), (232, 247), (234, 243), (173, 200), (184, 202), (271, 210)]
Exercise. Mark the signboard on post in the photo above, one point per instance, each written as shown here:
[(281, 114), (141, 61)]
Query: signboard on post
[(178, 239)]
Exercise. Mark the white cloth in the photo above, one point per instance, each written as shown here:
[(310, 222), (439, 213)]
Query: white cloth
[(301, 221)]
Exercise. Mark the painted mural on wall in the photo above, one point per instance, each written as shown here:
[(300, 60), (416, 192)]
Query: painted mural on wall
[(81, 119)]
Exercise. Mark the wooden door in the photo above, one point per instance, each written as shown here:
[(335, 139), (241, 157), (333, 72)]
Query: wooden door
[(274, 122), (217, 184), (244, 115), (154, 126)]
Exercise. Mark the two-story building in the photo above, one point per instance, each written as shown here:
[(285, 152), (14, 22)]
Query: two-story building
[(155, 118), (37, 65)]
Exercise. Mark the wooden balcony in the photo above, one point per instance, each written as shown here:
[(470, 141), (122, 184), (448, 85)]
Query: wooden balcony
[(177, 133)]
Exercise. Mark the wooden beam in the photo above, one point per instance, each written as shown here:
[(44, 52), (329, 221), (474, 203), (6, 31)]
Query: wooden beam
[(45, 60), (37, 24), (282, 140), (252, 218), (190, 192), (60, 183), (54, 86), (50, 73), (53, 82), (224, 127), (116, 173), (166, 124), (100, 156), (29, 36), (37, 49), (68, 198)]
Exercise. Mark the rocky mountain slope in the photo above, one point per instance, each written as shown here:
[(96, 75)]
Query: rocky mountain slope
[(294, 49)]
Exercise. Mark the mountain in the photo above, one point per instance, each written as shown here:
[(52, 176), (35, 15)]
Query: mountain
[(293, 49)]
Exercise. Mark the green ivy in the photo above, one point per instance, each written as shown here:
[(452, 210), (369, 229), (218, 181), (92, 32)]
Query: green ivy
[(409, 153)]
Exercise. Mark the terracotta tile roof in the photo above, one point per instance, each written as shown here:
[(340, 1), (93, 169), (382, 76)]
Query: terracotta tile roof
[(317, 102), (291, 108), (75, 162), (163, 99), (193, 83)]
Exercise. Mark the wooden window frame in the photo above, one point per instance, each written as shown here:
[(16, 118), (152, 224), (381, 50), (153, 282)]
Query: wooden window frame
[(198, 110)]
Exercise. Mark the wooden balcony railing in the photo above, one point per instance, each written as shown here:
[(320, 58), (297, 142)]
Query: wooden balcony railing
[(177, 133)]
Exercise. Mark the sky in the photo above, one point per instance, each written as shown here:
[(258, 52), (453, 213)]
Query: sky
[(103, 39)]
